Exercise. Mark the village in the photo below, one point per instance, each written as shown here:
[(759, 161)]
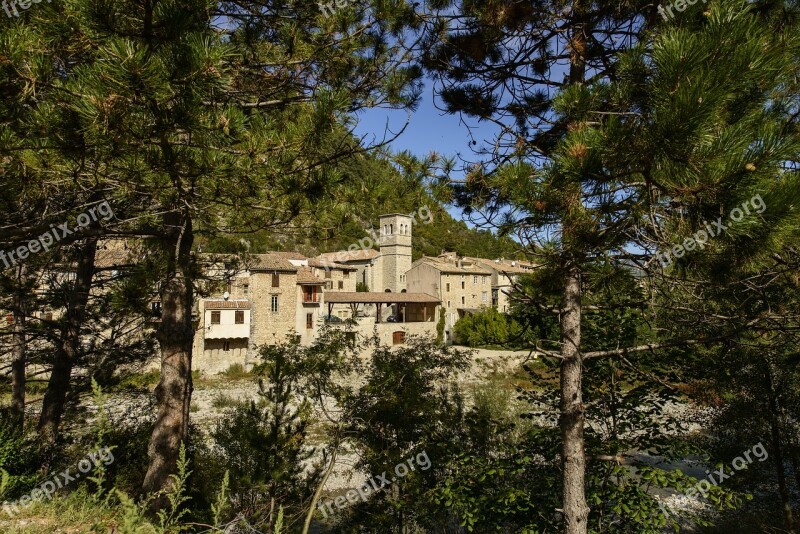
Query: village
[(267, 298)]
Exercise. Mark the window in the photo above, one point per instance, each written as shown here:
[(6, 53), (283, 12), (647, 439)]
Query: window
[(309, 321), (449, 305), (484, 280), (447, 287), (216, 317), (310, 294), (341, 284), (463, 286), (329, 285), (239, 317), (398, 338), (328, 273), (226, 346), (475, 279), (274, 303), (346, 275), (483, 297), (463, 300), (246, 289), (276, 280)]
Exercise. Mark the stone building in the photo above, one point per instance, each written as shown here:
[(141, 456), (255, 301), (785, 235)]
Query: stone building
[(505, 274), (268, 298), (463, 286)]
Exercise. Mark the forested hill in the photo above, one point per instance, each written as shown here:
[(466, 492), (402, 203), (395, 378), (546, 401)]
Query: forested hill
[(367, 187)]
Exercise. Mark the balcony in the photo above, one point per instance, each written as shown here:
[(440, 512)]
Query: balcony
[(311, 298)]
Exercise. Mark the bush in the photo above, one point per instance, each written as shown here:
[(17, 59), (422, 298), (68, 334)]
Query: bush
[(487, 328), (18, 461), (264, 445)]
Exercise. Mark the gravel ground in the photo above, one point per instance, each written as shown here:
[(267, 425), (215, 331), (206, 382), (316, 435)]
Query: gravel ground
[(485, 363)]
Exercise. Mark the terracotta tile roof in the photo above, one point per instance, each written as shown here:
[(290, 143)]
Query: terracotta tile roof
[(380, 298), (330, 266), (116, 253), (270, 262), (450, 267), (289, 255), (227, 305), (505, 266), (346, 255), (305, 277)]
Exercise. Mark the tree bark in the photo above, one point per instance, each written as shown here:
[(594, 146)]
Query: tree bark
[(174, 391), (572, 419), (18, 350), (777, 450), (67, 349)]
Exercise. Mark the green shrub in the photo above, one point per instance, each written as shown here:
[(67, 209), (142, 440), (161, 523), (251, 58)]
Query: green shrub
[(487, 328), (18, 461), (264, 445)]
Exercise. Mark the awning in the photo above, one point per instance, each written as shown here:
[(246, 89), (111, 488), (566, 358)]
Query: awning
[(380, 298)]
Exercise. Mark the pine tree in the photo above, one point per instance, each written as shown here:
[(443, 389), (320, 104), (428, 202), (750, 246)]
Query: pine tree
[(578, 169), (189, 117)]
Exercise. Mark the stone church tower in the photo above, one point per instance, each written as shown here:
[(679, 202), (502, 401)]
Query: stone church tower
[(396, 233)]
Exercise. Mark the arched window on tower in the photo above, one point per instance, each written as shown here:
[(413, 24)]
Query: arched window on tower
[(391, 229)]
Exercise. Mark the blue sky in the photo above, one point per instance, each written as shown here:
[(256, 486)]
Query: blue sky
[(429, 130)]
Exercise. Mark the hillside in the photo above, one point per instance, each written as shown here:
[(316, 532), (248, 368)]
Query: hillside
[(367, 187)]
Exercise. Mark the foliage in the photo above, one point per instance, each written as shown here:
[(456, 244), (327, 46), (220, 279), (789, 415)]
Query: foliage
[(265, 449), (488, 328), (18, 459), (169, 518), (441, 325)]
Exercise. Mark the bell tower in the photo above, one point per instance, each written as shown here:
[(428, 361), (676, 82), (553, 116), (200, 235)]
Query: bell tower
[(396, 237)]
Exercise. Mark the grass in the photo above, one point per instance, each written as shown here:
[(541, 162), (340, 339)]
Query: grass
[(138, 381), (223, 401), (236, 372)]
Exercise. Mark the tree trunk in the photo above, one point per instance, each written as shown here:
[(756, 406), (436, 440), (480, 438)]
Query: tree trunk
[(67, 349), (576, 512), (18, 353), (572, 418), (777, 450), (174, 391)]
